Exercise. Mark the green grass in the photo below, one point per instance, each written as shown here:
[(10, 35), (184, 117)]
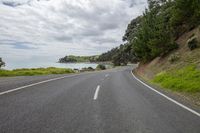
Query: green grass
[(186, 79), (34, 71)]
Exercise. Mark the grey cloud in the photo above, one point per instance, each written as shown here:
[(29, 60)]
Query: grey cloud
[(64, 38), (15, 3), (58, 27), (11, 4)]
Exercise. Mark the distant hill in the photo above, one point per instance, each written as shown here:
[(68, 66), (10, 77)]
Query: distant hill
[(74, 59)]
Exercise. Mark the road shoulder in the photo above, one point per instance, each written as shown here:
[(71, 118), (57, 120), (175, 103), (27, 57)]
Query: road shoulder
[(179, 97)]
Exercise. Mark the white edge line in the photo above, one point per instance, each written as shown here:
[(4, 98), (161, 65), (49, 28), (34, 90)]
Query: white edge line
[(96, 92), (37, 83), (168, 98)]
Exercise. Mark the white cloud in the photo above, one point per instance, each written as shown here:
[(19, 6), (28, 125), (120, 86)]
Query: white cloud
[(53, 28)]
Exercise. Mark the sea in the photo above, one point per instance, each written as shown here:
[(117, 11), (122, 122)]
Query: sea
[(10, 66)]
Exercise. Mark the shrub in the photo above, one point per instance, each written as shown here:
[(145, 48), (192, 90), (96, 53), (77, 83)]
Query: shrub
[(101, 67), (87, 69), (173, 45), (90, 69), (174, 57), (192, 43)]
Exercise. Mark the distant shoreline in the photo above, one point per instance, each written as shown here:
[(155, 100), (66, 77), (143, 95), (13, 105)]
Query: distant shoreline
[(87, 62)]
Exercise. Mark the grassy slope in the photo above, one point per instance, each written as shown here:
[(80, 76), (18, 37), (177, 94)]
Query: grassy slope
[(186, 79), (181, 76), (34, 71)]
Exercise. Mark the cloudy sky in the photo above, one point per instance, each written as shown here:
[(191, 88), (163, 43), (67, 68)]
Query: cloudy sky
[(38, 30)]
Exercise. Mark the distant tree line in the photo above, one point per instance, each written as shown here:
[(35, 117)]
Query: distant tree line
[(154, 33), (73, 59)]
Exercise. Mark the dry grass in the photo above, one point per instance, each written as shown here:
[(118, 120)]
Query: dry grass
[(34, 71)]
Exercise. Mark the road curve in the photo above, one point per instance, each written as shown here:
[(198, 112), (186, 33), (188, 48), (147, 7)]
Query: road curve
[(110, 101)]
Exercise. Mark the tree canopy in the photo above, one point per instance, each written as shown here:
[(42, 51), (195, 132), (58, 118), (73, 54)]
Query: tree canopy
[(154, 33), (2, 63)]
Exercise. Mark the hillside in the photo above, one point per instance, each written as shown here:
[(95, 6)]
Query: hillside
[(184, 54), (181, 75)]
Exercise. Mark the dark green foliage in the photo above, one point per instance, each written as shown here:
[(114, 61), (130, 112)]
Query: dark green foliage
[(108, 55), (101, 67), (154, 33), (90, 68), (67, 59), (192, 43), (173, 46), (185, 16), (87, 69), (131, 29), (154, 36), (188, 11), (72, 59), (118, 56), (122, 57), (2, 63)]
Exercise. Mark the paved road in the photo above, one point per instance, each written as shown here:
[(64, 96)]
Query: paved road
[(104, 102)]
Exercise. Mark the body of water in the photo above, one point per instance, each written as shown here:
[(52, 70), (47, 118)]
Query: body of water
[(79, 66)]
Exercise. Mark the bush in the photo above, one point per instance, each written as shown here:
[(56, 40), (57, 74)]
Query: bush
[(90, 69), (192, 43), (101, 67), (174, 57), (87, 69), (173, 46)]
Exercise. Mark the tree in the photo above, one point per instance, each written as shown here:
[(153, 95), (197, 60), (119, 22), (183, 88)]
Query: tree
[(131, 29), (185, 16), (107, 56), (2, 63), (122, 56), (154, 33)]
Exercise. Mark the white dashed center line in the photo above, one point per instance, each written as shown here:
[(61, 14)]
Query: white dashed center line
[(96, 92), (106, 75)]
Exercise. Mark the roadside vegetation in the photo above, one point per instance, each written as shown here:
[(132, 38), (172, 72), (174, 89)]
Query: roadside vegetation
[(34, 71), (186, 79), (101, 67), (90, 69)]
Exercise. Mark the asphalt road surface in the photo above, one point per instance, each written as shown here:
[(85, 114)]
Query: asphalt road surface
[(111, 101)]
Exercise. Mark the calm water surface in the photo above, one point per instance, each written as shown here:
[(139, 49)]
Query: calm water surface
[(49, 64)]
